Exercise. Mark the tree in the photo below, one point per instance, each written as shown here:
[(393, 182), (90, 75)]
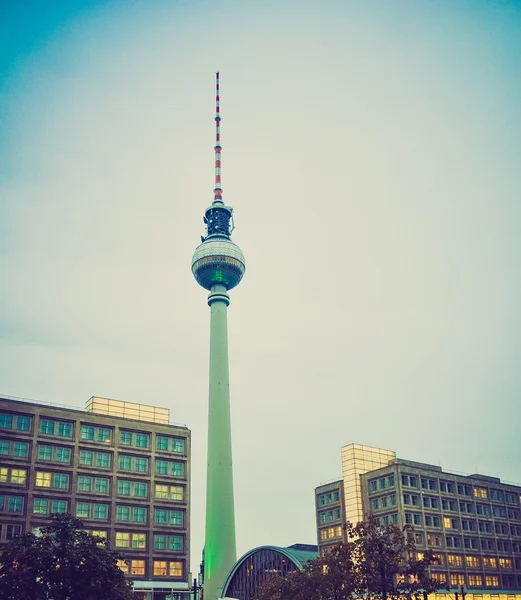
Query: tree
[(64, 563), (376, 562)]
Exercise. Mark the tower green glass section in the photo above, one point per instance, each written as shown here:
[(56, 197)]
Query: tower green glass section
[(218, 266)]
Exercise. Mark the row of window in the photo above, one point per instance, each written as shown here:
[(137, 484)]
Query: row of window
[(383, 502), (329, 498), (465, 524), (381, 483), (464, 507), (161, 568), (14, 449), (92, 433), (451, 487), (329, 515), (136, 540), (331, 532)]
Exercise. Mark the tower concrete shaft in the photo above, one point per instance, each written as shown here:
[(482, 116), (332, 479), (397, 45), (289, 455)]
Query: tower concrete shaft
[(220, 552)]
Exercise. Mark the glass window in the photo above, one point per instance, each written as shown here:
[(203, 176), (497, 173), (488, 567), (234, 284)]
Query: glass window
[(23, 423), (161, 467), (123, 513), (101, 511), (123, 566), (87, 432), (47, 427), (161, 516), (13, 531), (142, 440), (137, 567), (41, 506), (176, 569), (125, 437), (142, 464), (6, 421), (176, 517), (140, 490), (84, 483), (21, 449), (139, 540), (176, 543), (59, 506), (178, 469), (102, 485), (159, 567), (61, 481), (83, 510), (18, 476), (140, 515), (4, 447), (125, 463), (104, 434), (4, 473), (43, 479), (160, 542), (178, 445), (103, 459), (123, 487), (122, 539), (65, 429), (161, 491), (162, 443), (45, 452), (86, 457), (63, 455), (15, 504)]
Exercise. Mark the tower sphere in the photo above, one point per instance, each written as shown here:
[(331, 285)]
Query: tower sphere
[(218, 261)]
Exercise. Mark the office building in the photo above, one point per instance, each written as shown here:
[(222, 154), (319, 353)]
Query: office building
[(118, 466), (218, 266), (471, 522)]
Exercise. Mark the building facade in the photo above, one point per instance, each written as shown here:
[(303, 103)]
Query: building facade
[(471, 522), (120, 467)]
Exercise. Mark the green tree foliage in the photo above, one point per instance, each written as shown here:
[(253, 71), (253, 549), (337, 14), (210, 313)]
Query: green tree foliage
[(64, 563), (376, 562)]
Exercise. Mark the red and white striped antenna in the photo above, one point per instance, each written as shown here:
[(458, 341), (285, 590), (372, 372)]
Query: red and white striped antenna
[(218, 192)]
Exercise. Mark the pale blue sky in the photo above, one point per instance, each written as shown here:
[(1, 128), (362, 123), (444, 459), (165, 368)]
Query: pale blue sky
[(371, 151)]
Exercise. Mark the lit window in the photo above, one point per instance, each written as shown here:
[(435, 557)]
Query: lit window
[(505, 563), (138, 567), (122, 539), (159, 567), (472, 561), (480, 492), (123, 565), (457, 579), (492, 581), (139, 540), (47, 427), (475, 580), (18, 476), (43, 479), (176, 569), (178, 445)]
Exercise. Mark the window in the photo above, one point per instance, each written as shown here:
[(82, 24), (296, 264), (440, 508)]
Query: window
[(468, 525), (137, 567), (428, 484), (166, 444), (140, 490), (133, 463), (4, 447), (54, 454), (84, 483), (169, 492), (473, 561), (142, 440), (125, 437), (475, 580), (457, 579), (15, 504), (43, 479), (168, 517), (23, 423), (483, 509), (164, 568), (21, 450), (331, 532), (125, 463), (499, 511), (6, 421), (41, 506), (470, 543), (83, 510), (47, 427), (64, 429), (430, 502), (132, 488), (13, 531), (18, 476), (489, 562), (61, 481), (104, 434), (103, 460), (491, 580), (86, 457), (123, 565), (102, 485), (497, 495), (432, 521), (504, 563), (162, 443), (87, 432), (510, 498), (131, 513), (87, 510), (463, 490), (161, 467), (480, 492), (63, 455), (59, 506)]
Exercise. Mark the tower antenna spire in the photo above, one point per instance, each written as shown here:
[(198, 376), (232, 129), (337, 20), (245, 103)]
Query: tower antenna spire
[(218, 192)]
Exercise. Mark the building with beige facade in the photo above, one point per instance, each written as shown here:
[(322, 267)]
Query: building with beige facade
[(471, 522), (120, 467)]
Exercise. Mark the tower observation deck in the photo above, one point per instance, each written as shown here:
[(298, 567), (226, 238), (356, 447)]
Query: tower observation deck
[(218, 265)]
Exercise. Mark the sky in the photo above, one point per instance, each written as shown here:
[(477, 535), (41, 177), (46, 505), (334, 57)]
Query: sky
[(371, 152)]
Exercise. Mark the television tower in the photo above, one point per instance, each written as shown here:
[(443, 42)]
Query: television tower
[(218, 265)]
